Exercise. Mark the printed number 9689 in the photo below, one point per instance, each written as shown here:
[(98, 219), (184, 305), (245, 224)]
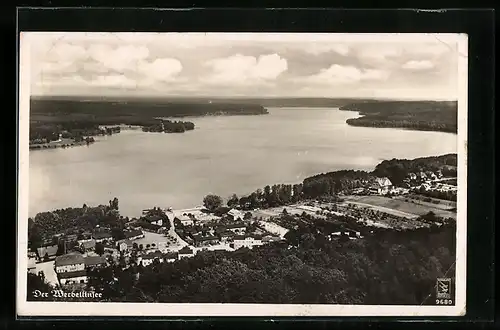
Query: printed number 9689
[(444, 302)]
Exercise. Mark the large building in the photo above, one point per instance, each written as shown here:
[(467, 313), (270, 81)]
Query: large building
[(246, 241), (70, 269)]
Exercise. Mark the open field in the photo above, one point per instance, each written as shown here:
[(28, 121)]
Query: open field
[(398, 206), (441, 205)]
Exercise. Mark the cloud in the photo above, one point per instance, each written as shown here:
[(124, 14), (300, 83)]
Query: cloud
[(317, 49), (245, 69), (345, 74), (119, 58), (379, 53), (115, 81), (418, 65), (161, 69)]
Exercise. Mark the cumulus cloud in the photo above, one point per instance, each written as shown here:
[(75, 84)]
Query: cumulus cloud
[(246, 69), (345, 74), (162, 69), (418, 65), (317, 49)]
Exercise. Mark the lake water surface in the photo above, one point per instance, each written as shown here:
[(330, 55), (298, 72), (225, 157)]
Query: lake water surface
[(223, 155)]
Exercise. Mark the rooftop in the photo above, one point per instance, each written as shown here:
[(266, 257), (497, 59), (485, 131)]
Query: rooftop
[(69, 259), (94, 260), (133, 233), (153, 255), (78, 273), (50, 250), (185, 250)]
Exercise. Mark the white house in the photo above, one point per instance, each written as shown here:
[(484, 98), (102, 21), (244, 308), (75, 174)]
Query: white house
[(69, 263), (79, 276), (381, 186), (70, 268), (186, 252), (246, 241), (149, 258), (185, 220), (236, 214), (124, 245)]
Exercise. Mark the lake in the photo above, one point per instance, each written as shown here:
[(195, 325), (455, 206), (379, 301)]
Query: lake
[(223, 155)]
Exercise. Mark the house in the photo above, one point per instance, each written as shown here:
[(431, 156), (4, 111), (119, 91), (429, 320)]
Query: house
[(185, 220), (412, 176), (270, 239), (246, 241), (79, 276), (171, 257), (71, 262), (47, 252), (88, 245), (236, 214), (102, 236), (186, 252), (381, 186), (237, 228), (154, 220), (134, 234), (208, 240), (124, 245), (149, 258), (225, 235), (94, 262)]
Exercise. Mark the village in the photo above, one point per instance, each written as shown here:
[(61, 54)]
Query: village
[(167, 235)]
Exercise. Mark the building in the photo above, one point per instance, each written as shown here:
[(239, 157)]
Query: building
[(185, 220), (92, 262), (171, 257), (102, 236), (149, 258), (237, 228), (66, 278), (88, 246), (32, 265), (186, 252), (124, 245), (154, 220), (225, 235), (246, 241), (236, 214), (47, 252), (208, 240), (134, 234), (412, 176), (381, 186), (71, 262)]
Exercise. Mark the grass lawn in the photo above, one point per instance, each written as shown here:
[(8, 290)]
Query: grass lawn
[(401, 205)]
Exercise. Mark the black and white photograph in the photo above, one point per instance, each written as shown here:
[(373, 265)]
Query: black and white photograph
[(242, 174)]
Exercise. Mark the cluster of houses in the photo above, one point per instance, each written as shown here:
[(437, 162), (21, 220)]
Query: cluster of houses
[(72, 268), (234, 235)]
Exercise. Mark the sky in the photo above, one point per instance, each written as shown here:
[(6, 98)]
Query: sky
[(244, 65)]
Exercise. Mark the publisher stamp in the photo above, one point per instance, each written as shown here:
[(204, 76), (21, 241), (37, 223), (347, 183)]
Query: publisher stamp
[(443, 291)]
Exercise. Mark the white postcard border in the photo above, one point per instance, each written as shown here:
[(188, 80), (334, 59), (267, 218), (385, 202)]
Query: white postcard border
[(28, 308)]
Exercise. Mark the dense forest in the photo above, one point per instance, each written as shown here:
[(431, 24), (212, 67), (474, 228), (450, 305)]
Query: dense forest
[(169, 126), (147, 108), (386, 267), (397, 169), (74, 219), (329, 185), (416, 115)]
